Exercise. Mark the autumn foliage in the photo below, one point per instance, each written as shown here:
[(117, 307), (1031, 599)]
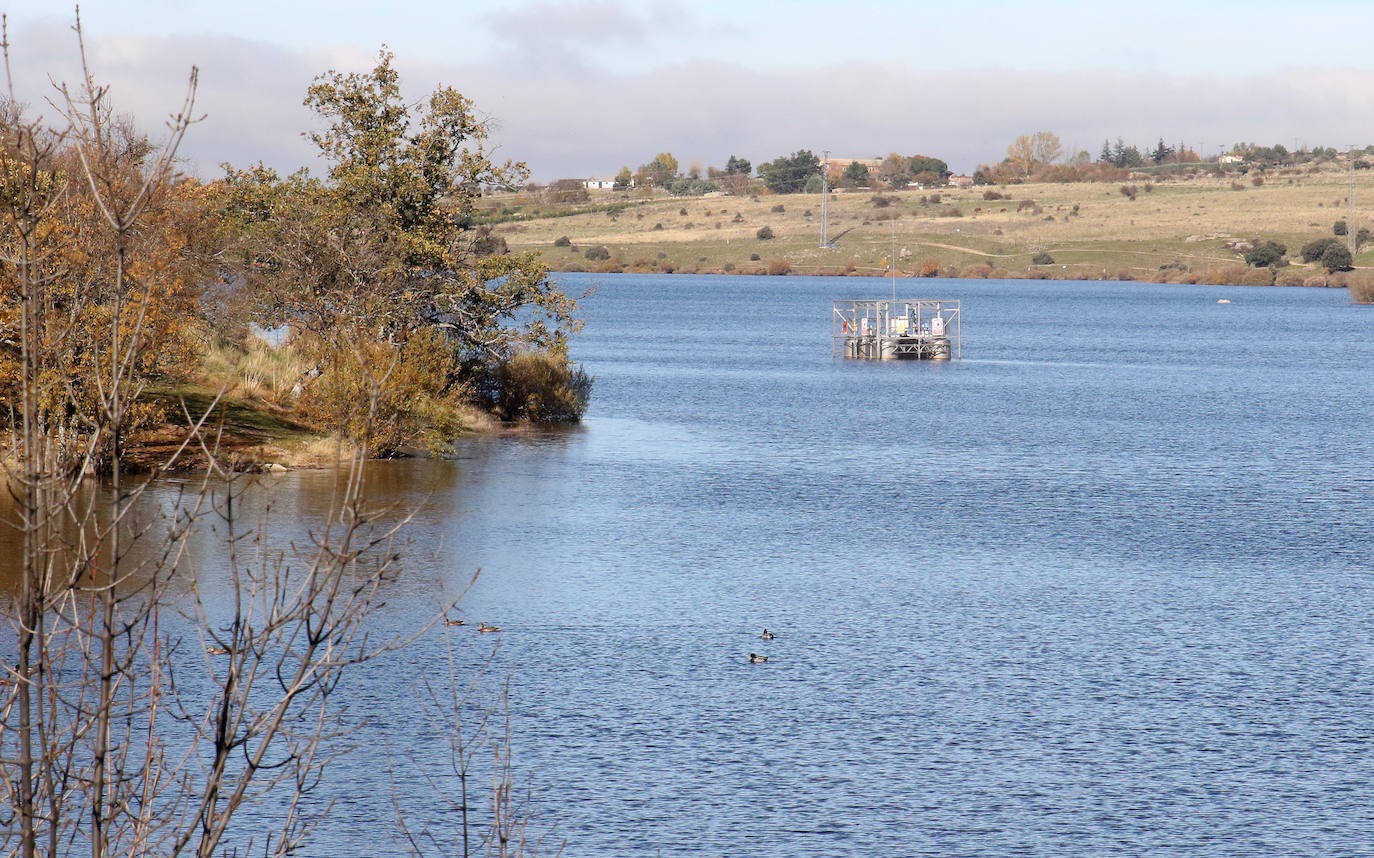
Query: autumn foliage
[(109, 305), (374, 273), (375, 269)]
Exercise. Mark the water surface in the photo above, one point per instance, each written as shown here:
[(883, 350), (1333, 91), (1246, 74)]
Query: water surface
[(1102, 587)]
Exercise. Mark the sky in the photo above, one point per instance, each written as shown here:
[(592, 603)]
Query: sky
[(582, 88)]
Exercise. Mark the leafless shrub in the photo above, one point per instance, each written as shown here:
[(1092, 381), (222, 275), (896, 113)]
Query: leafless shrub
[(107, 744), (1360, 284)]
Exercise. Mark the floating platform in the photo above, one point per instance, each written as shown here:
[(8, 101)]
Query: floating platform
[(897, 329)]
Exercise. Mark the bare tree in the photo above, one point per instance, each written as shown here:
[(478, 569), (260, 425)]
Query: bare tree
[(119, 735), (101, 748), (468, 729), (1030, 151)]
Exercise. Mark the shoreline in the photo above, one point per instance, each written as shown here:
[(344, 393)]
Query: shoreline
[(259, 437), (1314, 279), (1165, 230)]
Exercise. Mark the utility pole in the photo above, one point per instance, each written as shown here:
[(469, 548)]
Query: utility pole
[(1351, 233), (825, 197)]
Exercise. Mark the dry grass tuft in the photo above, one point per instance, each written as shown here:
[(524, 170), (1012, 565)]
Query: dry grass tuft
[(1361, 286), (254, 369)]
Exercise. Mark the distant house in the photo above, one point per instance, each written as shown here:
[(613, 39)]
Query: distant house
[(601, 184), (837, 166), (1230, 158), (961, 181)]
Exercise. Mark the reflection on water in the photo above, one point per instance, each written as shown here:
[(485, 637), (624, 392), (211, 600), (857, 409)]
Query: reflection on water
[(1101, 588)]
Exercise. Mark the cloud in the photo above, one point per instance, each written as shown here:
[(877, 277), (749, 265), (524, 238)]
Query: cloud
[(705, 112), (249, 94), (582, 121), (547, 36)]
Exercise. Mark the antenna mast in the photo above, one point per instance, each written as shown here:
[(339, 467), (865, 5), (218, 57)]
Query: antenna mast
[(892, 266), (825, 196), (1351, 238)]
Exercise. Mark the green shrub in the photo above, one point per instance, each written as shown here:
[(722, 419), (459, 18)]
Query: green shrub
[(1338, 228), (1265, 254), (686, 186), (562, 241), (598, 252), (542, 387), (1042, 258), (1313, 250), (1336, 257), (765, 233)]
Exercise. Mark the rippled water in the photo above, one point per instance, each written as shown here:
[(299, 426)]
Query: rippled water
[(1103, 587)]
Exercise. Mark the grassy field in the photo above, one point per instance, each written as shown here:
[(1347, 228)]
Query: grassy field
[(1172, 230)]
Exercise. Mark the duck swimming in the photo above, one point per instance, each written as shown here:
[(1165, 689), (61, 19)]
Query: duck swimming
[(767, 635), (484, 628), (448, 622), (755, 658)]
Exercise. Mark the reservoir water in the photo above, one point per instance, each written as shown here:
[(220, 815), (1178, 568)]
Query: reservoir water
[(1101, 587)]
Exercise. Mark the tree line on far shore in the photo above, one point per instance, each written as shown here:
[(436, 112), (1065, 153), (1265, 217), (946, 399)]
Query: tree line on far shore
[(1037, 157)]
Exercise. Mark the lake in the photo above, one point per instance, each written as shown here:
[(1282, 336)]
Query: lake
[(1101, 587)]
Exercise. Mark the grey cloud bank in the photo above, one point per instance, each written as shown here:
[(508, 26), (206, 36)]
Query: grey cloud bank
[(566, 119)]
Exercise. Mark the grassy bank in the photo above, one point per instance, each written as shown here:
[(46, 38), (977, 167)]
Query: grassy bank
[(250, 392), (1193, 229)]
